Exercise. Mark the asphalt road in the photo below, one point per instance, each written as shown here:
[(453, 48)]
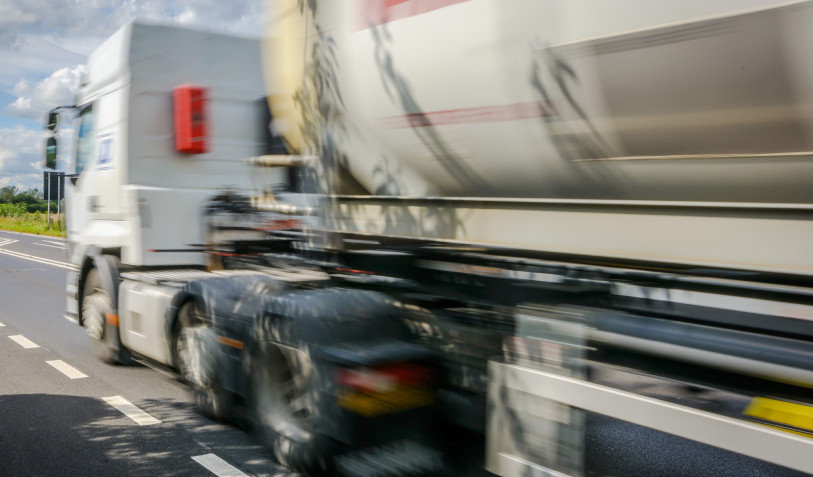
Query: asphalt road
[(55, 424), (62, 412)]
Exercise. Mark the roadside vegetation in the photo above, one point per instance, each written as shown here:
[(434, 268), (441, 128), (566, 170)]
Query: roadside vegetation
[(26, 211)]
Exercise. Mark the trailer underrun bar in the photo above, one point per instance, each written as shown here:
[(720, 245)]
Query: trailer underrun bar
[(775, 446)]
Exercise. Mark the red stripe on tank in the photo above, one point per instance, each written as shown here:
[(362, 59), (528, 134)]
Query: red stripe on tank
[(480, 114), (378, 12)]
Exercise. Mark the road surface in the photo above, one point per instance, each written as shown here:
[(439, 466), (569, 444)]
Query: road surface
[(62, 412)]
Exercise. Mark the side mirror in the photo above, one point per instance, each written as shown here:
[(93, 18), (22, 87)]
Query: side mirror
[(53, 119), (50, 153)]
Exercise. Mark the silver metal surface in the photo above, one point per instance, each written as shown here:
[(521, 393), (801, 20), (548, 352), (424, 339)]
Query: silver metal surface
[(283, 208), (762, 369), (282, 160)]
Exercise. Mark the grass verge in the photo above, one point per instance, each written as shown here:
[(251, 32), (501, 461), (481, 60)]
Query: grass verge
[(34, 223)]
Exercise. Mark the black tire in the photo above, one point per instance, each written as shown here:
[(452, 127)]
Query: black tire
[(285, 399), (96, 304), (291, 392), (196, 359)]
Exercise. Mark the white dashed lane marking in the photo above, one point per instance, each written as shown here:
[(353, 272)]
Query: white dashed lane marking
[(24, 342), (67, 369), (130, 410), (2, 325), (218, 466)]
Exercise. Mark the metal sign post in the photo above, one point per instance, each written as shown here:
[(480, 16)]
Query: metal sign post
[(48, 216)]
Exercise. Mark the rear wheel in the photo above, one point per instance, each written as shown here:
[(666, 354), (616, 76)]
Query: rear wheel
[(96, 306), (292, 389), (196, 358), (285, 399)]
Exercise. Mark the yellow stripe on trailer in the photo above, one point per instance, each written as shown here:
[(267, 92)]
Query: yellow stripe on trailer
[(781, 412)]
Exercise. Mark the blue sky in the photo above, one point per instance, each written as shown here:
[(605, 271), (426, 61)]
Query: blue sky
[(44, 43)]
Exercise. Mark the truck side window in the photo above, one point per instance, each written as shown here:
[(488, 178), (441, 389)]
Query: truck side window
[(84, 141)]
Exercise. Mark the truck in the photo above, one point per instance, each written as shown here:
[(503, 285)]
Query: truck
[(459, 217)]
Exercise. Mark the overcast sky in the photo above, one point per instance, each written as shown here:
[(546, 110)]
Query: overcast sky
[(44, 44)]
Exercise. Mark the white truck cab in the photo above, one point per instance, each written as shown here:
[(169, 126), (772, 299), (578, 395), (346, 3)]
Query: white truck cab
[(134, 194), (137, 194)]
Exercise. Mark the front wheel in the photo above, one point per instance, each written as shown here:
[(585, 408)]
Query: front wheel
[(96, 306)]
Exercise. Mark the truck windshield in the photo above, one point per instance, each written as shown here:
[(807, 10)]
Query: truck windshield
[(84, 142)]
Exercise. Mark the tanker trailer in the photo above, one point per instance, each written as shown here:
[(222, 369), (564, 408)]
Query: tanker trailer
[(560, 127), (559, 191)]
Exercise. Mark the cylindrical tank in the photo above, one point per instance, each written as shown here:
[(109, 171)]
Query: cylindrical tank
[(689, 100)]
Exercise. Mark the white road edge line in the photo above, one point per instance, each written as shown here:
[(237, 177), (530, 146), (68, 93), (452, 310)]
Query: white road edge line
[(67, 369), (61, 244), (130, 410), (46, 261), (218, 466), (24, 342), (48, 245)]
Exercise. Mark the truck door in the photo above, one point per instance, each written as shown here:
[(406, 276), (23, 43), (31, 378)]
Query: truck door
[(77, 214)]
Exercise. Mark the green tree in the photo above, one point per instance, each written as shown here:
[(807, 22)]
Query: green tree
[(7, 193), (29, 200)]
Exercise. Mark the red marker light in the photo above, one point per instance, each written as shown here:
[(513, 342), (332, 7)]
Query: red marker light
[(191, 119)]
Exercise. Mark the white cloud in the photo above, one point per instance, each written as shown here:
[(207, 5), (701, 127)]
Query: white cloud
[(41, 41), (188, 16), (56, 90), (22, 181), (31, 58), (12, 15), (22, 157), (38, 37), (20, 148), (99, 18), (21, 87)]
